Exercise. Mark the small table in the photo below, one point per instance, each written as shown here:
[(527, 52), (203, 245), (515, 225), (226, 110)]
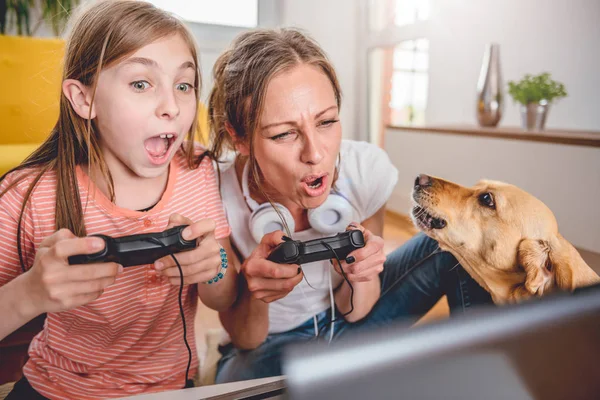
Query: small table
[(266, 388)]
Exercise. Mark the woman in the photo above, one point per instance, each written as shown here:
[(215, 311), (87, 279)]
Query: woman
[(276, 102)]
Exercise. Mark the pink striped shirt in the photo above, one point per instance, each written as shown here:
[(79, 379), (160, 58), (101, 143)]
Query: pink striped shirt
[(130, 340)]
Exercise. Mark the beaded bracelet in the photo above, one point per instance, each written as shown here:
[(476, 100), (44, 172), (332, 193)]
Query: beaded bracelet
[(223, 269)]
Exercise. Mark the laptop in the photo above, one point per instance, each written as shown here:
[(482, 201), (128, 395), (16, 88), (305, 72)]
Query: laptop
[(547, 348)]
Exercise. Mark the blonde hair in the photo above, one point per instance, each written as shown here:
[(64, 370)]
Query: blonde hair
[(241, 77), (101, 35)]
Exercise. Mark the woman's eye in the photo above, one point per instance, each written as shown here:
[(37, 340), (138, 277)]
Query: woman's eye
[(487, 200), (140, 86), (329, 122), (185, 87), (281, 136)]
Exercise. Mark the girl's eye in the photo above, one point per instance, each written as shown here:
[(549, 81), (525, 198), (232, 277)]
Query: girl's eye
[(185, 87), (140, 86)]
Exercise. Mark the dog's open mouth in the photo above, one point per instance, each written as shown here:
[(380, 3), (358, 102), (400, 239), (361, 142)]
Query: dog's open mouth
[(426, 221)]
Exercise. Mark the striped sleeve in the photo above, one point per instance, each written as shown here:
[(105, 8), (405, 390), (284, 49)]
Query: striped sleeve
[(10, 208), (214, 204)]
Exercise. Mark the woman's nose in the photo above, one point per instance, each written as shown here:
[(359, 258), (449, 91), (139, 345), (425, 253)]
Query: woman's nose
[(312, 152)]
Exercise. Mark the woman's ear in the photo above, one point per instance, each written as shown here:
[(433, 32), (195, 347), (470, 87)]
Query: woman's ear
[(241, 145), (80, 97)]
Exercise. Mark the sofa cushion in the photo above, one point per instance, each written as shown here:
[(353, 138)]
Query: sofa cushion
[(12, 154)]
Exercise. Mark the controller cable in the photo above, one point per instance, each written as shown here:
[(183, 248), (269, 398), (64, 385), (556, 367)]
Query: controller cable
[(188, 382), (345, 278), (333, 319)]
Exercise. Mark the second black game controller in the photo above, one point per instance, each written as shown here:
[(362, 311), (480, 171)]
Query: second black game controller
[(297, 252), (138, 249)]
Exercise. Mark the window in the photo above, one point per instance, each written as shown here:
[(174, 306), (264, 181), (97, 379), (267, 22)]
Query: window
[(410, 11), (409, 83), (397, 78), (239, 13), (384, 14)]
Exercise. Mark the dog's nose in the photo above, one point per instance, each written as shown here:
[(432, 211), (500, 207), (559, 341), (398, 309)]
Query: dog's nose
[(423, 181)]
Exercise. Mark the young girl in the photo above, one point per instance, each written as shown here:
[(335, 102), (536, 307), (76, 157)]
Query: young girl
[(119, 161), (276, 102)]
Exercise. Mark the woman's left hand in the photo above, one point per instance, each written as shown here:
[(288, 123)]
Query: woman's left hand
[(368, 261), (199, 264)]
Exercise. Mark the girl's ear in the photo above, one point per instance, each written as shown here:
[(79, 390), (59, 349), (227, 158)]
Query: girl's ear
[(80, 97)]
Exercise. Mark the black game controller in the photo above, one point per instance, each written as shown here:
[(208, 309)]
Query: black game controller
[(297, 252), (138, 249)]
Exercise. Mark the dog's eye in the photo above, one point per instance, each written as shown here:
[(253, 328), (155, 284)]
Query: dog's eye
[(486, 199)]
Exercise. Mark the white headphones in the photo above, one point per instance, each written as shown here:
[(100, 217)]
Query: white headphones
[(333, 216)]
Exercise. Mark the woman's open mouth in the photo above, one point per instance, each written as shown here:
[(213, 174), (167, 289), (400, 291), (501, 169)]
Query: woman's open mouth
[(426, 221), (158, 147), (315, 185)]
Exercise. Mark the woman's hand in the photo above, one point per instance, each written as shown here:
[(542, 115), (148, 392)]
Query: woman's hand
[(368, 261), (269, 281), (197, 265), (53, 285)]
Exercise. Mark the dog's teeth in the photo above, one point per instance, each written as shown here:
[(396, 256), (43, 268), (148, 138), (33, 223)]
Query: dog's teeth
[(163, 136), (169, 136)]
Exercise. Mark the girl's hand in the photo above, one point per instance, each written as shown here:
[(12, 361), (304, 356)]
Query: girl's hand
[(368, 261), (54, 285), (198, 265), (269, 281)]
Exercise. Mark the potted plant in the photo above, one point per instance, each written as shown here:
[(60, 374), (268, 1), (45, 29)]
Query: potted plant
[(535, 94), (52, 12)]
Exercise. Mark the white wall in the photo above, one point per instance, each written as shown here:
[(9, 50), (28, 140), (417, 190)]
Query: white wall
[(565, 177), (534, 35), (333, 24)]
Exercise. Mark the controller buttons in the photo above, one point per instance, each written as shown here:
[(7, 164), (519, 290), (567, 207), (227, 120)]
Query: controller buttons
[(290, 252)]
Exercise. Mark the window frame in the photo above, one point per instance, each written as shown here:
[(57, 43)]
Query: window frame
[(370, 40)]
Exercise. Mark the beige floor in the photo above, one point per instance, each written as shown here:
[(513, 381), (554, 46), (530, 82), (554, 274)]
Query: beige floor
[(397, 230)]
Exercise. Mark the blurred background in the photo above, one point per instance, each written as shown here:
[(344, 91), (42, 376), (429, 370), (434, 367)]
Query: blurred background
[(413, 73)]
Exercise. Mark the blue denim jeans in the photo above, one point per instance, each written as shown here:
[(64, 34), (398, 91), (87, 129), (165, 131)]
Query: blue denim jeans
[(415, 277)]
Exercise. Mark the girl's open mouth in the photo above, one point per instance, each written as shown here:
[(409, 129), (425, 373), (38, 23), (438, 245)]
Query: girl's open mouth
[(158, 147)]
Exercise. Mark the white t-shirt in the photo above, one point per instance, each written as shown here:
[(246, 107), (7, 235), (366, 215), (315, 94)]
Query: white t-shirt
[(366, 178)]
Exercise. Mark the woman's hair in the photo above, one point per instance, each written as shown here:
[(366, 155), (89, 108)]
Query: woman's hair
[(101, 35), (242, 75)]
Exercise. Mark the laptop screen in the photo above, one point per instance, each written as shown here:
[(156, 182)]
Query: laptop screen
[(547, 348)]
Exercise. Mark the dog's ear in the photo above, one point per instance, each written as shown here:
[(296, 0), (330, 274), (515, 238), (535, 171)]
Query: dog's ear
[(570, 270), (554, 263), (534, 257)]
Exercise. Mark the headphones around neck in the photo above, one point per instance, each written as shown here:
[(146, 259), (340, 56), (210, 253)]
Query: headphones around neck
[(333, 216)]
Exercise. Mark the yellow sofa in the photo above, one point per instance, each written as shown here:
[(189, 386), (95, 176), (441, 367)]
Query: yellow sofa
[(30, 72), (30, 84)]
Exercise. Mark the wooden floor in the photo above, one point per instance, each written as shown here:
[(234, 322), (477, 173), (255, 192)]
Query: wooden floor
[(397, 230)]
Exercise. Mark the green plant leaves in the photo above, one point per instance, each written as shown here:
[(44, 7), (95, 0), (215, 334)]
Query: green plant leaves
[(56, 13), (533, 89), (17, 12)]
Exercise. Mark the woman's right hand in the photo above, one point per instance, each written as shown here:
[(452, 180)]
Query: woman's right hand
[(269, 281), (54, 285)]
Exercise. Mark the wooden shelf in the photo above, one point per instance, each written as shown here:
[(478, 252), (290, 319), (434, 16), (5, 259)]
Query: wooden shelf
[(572, 137)]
